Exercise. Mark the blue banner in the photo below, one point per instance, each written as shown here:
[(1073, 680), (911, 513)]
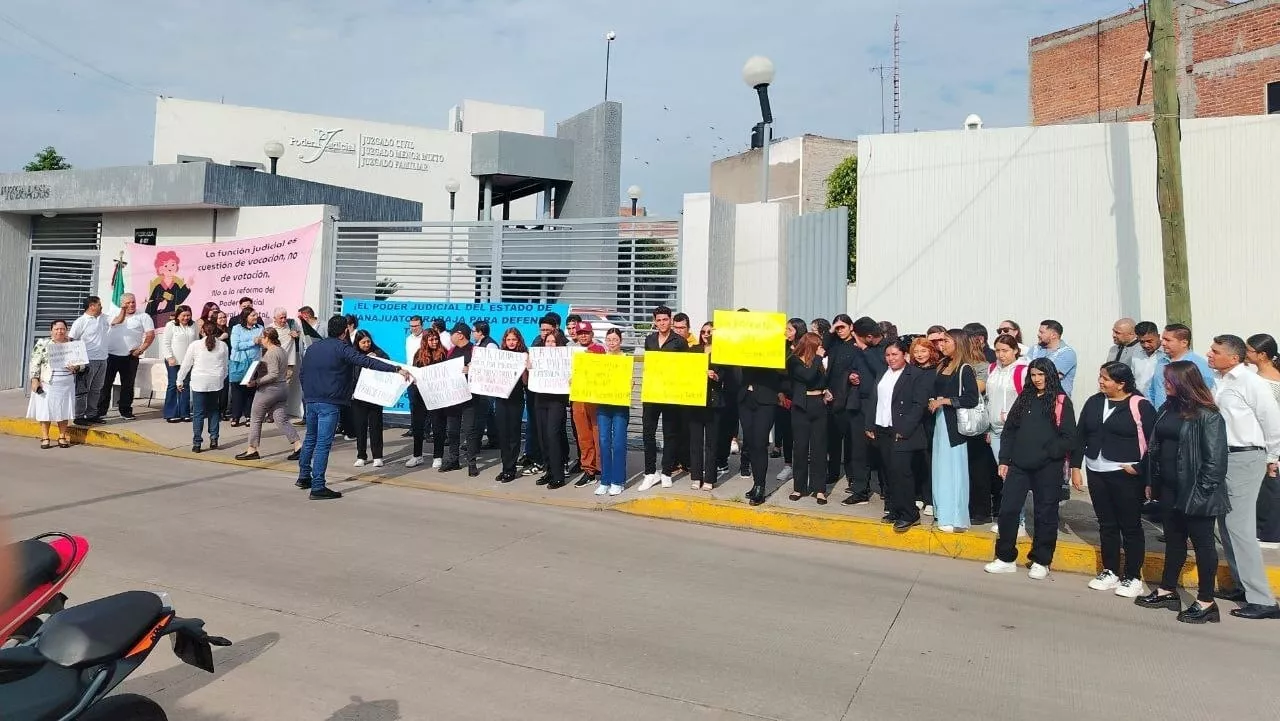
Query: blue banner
[(388, 322)]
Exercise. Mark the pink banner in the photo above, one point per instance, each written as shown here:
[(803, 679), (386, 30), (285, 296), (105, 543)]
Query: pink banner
[(272, 270)]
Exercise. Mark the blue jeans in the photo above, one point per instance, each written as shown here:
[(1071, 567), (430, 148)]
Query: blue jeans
[(176, 404), (613, 444), (322, 423), (204, 406)]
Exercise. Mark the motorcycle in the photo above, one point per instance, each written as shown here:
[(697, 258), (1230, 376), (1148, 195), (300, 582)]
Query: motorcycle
[(44, 564), (81, 654)]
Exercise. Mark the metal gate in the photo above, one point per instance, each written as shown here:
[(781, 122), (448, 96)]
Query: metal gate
[(612, 271), (63, 270)]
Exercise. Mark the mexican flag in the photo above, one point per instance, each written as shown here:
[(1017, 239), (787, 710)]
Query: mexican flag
[(117, 282)]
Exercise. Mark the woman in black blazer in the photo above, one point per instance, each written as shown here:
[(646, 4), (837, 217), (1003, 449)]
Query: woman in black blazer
[(895, 414), (847, 442), (955, 386), (758, 392), (705, 423), (807, 381), (1114, 427), (1188, 461)]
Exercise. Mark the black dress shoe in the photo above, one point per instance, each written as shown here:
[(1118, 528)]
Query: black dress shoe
[(544, 480), (293, 456), (1235, 595), (745, 471), (325, 494), (302, 483), (905, 525), (1255, 611), (213, 444), (447, 467), (557, 485), (1156, 600), (855, 500), (1196, 614), (248, 456), (889, 518), (472, 471), (195, 447)]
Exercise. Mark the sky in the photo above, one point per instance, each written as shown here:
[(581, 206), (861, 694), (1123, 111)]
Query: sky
[(82, 75)]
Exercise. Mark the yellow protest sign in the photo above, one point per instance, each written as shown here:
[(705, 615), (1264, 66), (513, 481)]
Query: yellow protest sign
[(754, 340), (601, 379), (674, 378)]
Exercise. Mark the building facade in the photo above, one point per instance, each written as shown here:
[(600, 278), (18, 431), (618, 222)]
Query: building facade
[(1229, 56), (798, 171)]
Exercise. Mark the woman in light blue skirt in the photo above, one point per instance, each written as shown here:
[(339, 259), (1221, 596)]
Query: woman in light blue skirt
[(955, 386)]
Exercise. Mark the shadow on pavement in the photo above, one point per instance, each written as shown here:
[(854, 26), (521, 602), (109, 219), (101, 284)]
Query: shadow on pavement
[(174, 683), (361, 710)]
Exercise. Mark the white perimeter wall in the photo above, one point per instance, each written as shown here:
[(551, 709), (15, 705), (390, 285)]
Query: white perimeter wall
[(1061, 222)]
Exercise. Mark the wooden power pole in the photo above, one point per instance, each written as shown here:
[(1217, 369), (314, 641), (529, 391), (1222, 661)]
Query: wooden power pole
[(1168, 130)]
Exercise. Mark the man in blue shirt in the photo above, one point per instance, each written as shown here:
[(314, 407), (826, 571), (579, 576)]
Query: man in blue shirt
[(1052, 346), (328, 377), (1175, 345)]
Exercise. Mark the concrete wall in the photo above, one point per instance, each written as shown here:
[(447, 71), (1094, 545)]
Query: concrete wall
[(707, 252), (481, 117), (736, 179), (15, 233), (597, 162), (760, 253)]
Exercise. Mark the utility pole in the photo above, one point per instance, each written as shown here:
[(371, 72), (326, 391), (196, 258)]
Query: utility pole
[(880, 69), (1168, 130), (897, 73)]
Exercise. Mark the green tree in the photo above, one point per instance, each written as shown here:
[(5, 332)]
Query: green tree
[(47, 159), (842, 189)]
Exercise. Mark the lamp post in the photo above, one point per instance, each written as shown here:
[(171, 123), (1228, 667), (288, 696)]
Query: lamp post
[(451, 186), (274, 150), (758, 74), (634, 193), (609, 37)]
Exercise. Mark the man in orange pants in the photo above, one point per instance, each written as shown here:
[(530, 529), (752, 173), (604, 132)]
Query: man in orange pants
[(585, 424)]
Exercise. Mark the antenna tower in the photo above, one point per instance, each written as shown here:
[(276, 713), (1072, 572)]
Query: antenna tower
[(897, 72)]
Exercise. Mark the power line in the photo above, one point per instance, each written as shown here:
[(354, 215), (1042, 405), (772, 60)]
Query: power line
[(114, 78)]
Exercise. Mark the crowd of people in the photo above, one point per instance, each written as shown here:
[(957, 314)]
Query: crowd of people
[(946, 423)]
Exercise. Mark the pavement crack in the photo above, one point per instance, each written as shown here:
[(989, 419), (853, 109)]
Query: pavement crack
[(879, 647)]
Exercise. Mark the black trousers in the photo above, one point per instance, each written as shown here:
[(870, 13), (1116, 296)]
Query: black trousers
[(1269, 510), (242, 401), (757, 421), (367, 419), (652, 412), (809, 433), (1178, 526), (1045, 485), (898, 482), (782, 432), (1117, 501), (684, 449), (848, 446), (126, 368), (555, 437), (728, 431), (982, 473), (508, 413), (922, 471), (704, 442), (423, 422), (346, 422), (533, 440), (461, 425)]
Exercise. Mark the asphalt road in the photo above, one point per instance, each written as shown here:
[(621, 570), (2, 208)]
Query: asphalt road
[(396, 603)]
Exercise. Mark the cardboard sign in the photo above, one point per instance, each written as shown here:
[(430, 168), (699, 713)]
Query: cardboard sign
[(441, 385), (675, 378), (380, 388), (753, 340), (602, 379), (495, 372), (552, 369), (71, 353)]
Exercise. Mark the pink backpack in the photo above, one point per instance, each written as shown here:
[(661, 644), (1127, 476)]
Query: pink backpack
[(1019, 375), (1135, 401)]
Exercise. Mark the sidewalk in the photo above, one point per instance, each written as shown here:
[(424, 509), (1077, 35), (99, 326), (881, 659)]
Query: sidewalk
[(725, 506)]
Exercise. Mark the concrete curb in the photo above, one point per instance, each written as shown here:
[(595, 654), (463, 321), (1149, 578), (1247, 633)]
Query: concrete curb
[(973, 545), (102, 438)]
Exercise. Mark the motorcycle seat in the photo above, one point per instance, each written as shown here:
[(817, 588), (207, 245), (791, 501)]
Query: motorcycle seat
[(37, 565), (99, 630)]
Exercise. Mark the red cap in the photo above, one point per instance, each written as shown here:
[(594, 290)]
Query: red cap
[(584, 327)]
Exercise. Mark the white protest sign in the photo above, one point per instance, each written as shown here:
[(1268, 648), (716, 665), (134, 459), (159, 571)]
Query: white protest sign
[(552, 368), (494, 372), (379, 387), (250, 373), (71, 353), (442, 385)]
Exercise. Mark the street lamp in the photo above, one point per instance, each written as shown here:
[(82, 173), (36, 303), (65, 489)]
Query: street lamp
[(452, 186), (758, 74), (275, 151), (634, 193), (609, 37)]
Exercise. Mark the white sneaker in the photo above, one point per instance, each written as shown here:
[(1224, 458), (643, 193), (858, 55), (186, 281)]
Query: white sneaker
[(665, 480), (602, 489), (1105, 581), (786, 474), (616, 489), (649, 481), (733, 448), (437, 462), (1131, 588), (359, 463), (998, 566), (414, 462), (928, 510), (919, 505), (377, 463), (1022, 530), (947, 529), (1038, 572), (1269, 545)]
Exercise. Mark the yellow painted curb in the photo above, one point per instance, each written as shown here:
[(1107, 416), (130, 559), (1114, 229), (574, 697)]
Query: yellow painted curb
[(100, 437), (974, 545)]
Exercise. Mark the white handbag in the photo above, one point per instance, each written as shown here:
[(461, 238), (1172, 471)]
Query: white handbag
[(972, 421)]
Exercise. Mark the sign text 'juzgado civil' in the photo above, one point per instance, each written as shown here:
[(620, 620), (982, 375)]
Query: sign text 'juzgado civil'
[(371, 151)]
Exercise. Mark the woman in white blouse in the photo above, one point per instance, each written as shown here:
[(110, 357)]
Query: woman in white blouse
[(1005, 379), (178, 334), (205, 364)]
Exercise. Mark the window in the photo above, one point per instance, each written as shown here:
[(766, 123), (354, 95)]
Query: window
[(1273, 98)]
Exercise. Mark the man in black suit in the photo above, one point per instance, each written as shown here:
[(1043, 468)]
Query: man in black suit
[(895, 416), (846, 368)]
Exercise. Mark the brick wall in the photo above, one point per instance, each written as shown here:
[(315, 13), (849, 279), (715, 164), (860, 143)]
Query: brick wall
[(1237, 34), (1242, 90), (1073, 75)]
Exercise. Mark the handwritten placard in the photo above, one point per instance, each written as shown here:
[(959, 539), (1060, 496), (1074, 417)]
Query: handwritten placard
[(71, 353), (441, 385), (251, 373), (753, 340), (494, 372), (379, 387), (602, 379), (551, 371), (673, 378)]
